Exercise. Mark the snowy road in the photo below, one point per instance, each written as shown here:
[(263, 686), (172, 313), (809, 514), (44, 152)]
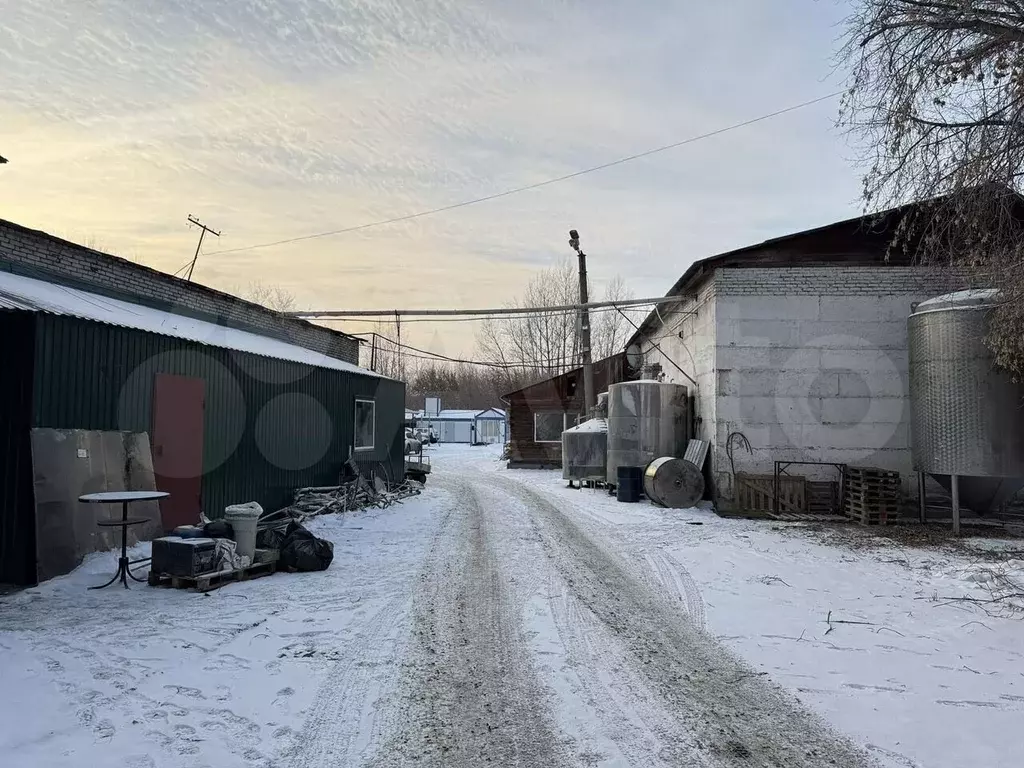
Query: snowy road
[(502, 620)]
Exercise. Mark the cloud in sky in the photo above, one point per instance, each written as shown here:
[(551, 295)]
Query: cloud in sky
[(272, 119)]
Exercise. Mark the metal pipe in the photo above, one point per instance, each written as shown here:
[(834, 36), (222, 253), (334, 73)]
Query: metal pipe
[(500, 311), (921, 498), (955, 491)]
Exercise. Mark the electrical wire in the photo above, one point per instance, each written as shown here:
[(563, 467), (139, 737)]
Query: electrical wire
[(547, 363), (528, 187)]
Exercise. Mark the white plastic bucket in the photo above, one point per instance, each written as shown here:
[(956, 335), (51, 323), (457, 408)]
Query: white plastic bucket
[(243, 519)]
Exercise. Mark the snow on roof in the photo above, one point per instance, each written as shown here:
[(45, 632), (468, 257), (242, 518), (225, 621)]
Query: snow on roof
[(460, 414), (28, 294)]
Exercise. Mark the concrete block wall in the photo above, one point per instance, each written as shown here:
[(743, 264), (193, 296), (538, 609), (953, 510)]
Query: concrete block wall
[(811, 364), (37, 254), (687, 339)]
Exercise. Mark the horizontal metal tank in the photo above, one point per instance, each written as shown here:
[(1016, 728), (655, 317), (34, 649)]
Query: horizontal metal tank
[(646, 420), (967, 416), (673, 483), (585, 451)]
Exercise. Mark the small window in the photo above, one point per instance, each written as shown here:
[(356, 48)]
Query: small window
[(366, 424), (548, 427)]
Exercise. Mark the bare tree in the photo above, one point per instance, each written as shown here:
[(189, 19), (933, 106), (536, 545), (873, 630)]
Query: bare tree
[(270, 296), (611, 329), (549, 342), (937, 98)]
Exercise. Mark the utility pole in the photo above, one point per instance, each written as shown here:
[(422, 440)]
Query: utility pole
[(589, 396), (193, 220), (373, 352)]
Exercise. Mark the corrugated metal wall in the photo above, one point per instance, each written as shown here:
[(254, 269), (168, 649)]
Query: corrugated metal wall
[(17, 519), (270, 425)]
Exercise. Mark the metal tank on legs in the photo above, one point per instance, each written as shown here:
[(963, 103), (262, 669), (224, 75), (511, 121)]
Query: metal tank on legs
[(967, 416), (646, 420)]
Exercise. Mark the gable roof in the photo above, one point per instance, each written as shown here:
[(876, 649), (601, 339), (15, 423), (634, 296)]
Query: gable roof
[(859, 241)]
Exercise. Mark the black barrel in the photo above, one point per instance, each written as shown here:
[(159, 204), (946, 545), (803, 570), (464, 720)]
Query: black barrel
[(630, 484)]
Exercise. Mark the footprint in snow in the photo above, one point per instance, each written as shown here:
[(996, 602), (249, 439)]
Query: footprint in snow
[(183, 690), (286, 691)]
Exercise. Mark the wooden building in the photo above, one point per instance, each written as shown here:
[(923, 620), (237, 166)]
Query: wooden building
[(539, 413)]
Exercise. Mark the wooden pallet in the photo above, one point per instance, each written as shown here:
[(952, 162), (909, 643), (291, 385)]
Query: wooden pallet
[(756, 493), (208, 582), (822, 497)]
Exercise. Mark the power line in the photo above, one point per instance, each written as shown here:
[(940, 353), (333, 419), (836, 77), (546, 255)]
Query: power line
[(550, 364), (563, 308), (537, 185)]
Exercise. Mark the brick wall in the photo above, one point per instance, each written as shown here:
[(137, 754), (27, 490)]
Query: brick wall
[(37, 254)]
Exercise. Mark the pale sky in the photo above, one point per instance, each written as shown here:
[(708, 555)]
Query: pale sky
[(272, 119)]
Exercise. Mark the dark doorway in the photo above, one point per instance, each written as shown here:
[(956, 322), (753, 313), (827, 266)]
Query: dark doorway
[(178, 403)]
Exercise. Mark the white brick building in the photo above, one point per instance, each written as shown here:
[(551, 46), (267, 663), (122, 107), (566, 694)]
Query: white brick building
[(800, 344)]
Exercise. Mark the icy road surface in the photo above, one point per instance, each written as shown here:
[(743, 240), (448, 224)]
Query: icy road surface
[(503, 620)]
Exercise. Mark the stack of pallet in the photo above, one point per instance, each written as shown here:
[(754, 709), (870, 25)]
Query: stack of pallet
[(873, 496)]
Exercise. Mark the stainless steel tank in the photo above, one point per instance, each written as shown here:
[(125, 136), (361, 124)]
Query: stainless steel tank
[(585, 451), (646, 420), (967, 416), (673, 483)]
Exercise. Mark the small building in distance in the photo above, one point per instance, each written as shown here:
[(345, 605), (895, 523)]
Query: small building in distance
[(461, 425), (539, 413)]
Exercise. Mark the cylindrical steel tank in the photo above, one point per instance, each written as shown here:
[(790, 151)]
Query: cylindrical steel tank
[(646, 420), (967, 416), (585, 451), (673, 483)]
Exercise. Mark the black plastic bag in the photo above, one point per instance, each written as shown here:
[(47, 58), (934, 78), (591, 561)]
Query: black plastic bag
[(219, 529), (269, 538), (302, 551)]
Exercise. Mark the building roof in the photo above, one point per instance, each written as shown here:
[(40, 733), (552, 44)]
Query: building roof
[(175, 280), (860, 241), (606, 371), (460, 414), (27, 294)]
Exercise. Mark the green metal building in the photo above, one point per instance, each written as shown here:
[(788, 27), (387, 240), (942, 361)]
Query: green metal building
[(233, 416)]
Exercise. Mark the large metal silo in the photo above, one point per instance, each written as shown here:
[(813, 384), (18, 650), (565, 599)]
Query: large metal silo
[(967, 415), (646, 421)]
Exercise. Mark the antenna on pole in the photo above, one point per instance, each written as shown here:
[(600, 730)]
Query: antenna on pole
[(204, 229)]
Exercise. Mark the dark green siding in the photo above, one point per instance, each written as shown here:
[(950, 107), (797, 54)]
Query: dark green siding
[(265, 419), (17, 513)]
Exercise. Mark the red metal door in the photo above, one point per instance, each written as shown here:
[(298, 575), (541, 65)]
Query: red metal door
[(177, 437)]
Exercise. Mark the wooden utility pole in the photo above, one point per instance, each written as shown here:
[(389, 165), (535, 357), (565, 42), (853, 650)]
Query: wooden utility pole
[(589, 396), (204, 229), (373, 352)]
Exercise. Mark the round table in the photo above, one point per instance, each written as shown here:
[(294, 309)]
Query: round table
[(124, 498)]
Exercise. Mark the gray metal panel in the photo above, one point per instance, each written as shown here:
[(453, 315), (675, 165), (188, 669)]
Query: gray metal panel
[(646, 420), (697, 453)]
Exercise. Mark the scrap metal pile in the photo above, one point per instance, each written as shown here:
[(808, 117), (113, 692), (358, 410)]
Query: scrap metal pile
[(354, 492)]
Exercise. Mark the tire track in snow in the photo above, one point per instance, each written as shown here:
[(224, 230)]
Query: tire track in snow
[(337, 718), (736, 717), (674, 576), (471, 697)]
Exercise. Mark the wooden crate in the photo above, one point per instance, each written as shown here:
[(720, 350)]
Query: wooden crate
[(756, 493), (823, 497)]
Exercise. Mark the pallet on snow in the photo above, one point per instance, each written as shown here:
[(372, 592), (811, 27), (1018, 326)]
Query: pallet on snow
[(207, 582), (873, 496)]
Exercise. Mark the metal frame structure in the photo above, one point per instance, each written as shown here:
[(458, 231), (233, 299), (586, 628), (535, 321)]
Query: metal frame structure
[(781, 468)]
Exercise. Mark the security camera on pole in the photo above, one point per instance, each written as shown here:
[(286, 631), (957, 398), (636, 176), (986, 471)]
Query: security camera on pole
[(590, 399)]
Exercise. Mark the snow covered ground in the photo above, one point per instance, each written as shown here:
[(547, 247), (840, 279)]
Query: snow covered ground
[(502, 618)]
